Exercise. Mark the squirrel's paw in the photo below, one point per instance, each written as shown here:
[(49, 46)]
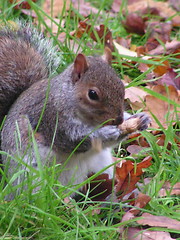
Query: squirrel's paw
[(137, 122), (105, 134), (109, 133)]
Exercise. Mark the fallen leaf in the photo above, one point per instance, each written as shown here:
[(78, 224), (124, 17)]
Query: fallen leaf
[(169, 47), (55, 7), (124, 42), (170, 78), (136, 97), (168, 189), (151, 44), (128, 175), (100, 187), (133, 233), (159, 221), (175, 4), (124, 51), (159, 30), (55, 24), (160, 70), (134, 24), (141, 201), (22, 5), (160, 108), (84, 8), (117, 4), (134, 149), (165, 11), (103, 33)]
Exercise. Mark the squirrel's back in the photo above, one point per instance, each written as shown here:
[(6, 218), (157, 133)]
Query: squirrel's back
[(25, 57)]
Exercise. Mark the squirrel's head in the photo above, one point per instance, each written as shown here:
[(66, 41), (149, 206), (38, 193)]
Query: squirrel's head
[(99, 91)]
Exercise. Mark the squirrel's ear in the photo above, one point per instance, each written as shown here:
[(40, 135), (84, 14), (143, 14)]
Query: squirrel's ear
[(107, 57), (80, 67)]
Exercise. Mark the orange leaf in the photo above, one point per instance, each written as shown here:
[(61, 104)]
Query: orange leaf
[(129, 174)]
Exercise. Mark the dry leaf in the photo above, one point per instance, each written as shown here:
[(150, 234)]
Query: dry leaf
[(54, 25), (175, 4), (136, 97), (124, 51), (170, 78), (140, 234), (128, 175), (117, 3), (134, 149), (160, 70), (169, 47), (159, 30), (100, 187), (134, 24), (160, 108), (22, 5), (159, 221), (84, 8), (102, 32), (55, 7), (140, 202), (165, 11), (168, 189)]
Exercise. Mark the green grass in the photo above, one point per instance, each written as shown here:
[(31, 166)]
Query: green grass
[(46, 214)]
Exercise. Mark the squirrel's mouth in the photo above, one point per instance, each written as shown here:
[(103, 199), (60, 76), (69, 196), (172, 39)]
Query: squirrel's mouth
[(119, 120)]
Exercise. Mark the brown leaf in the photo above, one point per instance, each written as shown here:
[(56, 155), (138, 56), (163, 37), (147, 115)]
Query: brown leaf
[(22, 5), (100, 187), (170, 78), (117, 3), (139, 234), (168, 189), (175, 4), (102, 31), (159, 221), (84, 8), (165, 11), (160, 70), (135, 94), (55, 7), (141, 201), (159, 30), (125, 42), (134, 24), (134, 149), (169, 47), (54, 25), (160, 108), (136, 97), (129, 174)]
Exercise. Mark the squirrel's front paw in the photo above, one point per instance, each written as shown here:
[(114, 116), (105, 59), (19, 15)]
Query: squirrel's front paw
[(107, 133), (137, 122)]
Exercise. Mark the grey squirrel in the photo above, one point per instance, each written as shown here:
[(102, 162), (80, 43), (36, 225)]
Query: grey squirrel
[(62, 113)]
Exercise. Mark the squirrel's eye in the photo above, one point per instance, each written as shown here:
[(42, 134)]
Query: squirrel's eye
[(93, 95)]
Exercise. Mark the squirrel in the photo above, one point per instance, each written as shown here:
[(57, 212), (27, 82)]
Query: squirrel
[(76, 117)]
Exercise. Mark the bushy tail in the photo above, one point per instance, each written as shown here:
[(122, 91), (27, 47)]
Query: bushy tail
[(25, 58)]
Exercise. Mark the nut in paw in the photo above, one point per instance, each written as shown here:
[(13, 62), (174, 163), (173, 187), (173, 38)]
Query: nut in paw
[(136, 122)]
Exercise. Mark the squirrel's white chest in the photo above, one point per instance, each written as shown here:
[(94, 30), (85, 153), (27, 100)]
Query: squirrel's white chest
[(79, 166)]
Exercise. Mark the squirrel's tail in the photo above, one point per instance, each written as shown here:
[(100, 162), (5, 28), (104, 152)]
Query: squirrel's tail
[(25, 58)]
